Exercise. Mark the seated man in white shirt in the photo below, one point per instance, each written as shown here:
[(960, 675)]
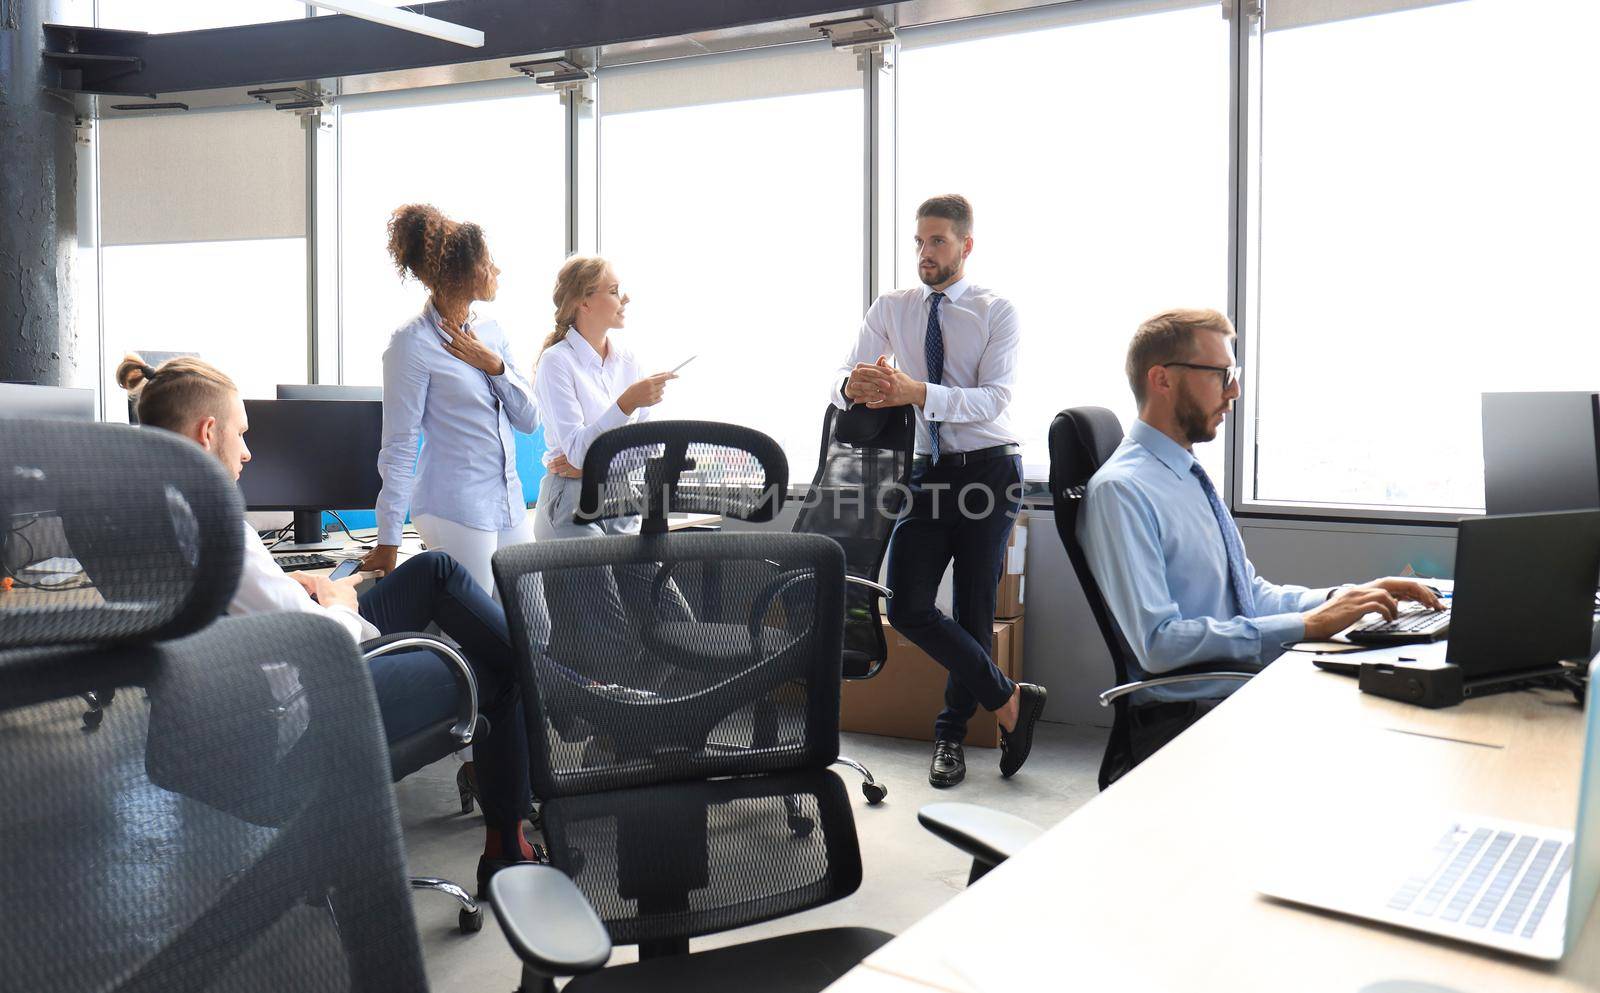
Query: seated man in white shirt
[(415, 689), (1165, 551)]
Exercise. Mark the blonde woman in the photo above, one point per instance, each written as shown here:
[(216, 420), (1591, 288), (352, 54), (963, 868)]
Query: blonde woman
[(586, 385)]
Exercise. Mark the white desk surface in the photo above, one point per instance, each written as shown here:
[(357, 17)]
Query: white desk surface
[(1150, 885)]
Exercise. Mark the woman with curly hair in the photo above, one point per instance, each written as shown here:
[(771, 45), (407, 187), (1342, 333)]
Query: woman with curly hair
[(450, 380)]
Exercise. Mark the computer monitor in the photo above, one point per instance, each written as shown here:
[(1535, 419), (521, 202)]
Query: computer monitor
[(1541, 452), (47, 402), (312, 455), (327, 391)]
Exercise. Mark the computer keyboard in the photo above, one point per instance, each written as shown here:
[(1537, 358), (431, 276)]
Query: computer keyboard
[(296, 561), (1412, 624), (1481, 868)]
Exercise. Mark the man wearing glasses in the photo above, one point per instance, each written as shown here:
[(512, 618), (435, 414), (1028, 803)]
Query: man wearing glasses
[(1164, 549)]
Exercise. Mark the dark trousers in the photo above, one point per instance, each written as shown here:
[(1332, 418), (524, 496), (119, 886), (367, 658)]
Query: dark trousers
[(415, 689), (963, 513)]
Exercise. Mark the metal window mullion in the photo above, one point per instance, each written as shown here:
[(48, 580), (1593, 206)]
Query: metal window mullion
[(871, 64), (309, 126), (1243, 17), (570, 102)]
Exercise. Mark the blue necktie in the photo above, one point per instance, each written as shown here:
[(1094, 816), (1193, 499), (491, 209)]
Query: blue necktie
[(934, 346), (1231, 541)]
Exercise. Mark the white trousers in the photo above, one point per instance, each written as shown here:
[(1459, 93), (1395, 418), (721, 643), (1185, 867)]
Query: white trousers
[(471, 547)]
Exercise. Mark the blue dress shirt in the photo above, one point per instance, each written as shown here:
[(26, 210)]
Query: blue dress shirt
[(1156, 550), (466, 471)]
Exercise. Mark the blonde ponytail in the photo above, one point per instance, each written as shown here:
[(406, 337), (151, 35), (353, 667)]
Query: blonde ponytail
[(579, 276)]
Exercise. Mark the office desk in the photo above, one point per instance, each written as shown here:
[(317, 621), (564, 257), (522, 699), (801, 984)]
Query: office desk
[(1149, 886)]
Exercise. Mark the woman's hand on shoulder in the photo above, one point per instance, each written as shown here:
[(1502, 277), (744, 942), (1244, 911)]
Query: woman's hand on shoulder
[(469, 348)]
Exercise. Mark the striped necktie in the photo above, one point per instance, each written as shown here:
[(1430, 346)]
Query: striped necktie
[(1232, 542), (933, 344)]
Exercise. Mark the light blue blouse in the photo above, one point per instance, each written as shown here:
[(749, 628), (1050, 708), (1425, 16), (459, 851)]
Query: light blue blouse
[(466, 471)]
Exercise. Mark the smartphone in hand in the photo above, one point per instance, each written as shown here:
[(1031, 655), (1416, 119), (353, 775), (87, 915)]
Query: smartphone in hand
[(346, 568)]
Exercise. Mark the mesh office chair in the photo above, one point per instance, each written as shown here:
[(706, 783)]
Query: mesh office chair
[(1146, 717), (160, 543), (231, 826), (683, 709), (861, 486)]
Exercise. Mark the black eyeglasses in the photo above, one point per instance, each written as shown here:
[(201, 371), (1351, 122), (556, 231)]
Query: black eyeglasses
[(1229, 373)]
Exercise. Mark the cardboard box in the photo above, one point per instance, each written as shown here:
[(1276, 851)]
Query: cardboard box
[(1013, 581), (902, 700)]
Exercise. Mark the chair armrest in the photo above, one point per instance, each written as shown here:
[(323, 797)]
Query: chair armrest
[(877, 588), (989, 836), (460, 668), (547, 921), (1111, 695)]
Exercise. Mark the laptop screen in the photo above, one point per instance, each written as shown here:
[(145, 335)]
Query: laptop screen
[(1524, 592)]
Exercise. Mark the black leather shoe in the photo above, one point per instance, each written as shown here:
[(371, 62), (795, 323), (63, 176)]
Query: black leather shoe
[(1016, 743), (949, 765)]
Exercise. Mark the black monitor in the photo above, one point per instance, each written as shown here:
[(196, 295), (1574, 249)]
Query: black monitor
[(1541, 452), (47, 402), (312, 455), (327, 391)]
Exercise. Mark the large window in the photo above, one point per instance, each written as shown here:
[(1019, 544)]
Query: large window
[(203, 221), (1428, 202), (1095, 153), (490, 154), (731, 206)]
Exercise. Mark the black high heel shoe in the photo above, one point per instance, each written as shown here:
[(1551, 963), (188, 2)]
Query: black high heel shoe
[(489, 866)]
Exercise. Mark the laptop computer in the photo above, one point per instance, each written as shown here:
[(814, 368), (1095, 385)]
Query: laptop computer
[(1517, 887), (1523, 598)]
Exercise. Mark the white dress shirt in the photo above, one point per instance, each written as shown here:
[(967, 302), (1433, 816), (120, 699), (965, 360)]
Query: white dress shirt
[(266, 589), (466, 471), (577, 391), (981, 341)]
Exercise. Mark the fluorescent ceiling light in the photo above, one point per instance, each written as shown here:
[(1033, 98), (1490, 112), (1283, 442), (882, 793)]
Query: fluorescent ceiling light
[(372, 10)]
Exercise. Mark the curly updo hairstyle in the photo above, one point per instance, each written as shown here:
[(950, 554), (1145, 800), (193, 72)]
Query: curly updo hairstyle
[(443, 255)]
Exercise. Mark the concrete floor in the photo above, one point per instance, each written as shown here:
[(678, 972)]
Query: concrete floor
[(906, 871)]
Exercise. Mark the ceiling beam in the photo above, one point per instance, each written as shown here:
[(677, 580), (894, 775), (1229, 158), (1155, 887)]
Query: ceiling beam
[(330, 47)]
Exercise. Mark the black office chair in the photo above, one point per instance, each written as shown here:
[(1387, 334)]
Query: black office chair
[(230, 827), (159, 539), (443, 738), (861, 487), (1081, 440), (685, 771)]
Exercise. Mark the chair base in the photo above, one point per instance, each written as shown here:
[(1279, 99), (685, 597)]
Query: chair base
[(873, 790), (470, 918)]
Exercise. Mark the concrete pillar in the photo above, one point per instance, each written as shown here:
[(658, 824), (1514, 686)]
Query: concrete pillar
[(39, 338)]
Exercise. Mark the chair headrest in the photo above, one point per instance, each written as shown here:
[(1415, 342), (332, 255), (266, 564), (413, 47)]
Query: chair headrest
[(695, 467), (112, 534), (864, 427), (1081, 440)]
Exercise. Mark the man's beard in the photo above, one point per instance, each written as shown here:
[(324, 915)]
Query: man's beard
[(1195, 421), (939, 274)]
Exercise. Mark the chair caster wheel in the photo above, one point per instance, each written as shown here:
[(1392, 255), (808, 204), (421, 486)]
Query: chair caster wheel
[(92, 719), (801, 827), (470, 921), (874, 792)]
